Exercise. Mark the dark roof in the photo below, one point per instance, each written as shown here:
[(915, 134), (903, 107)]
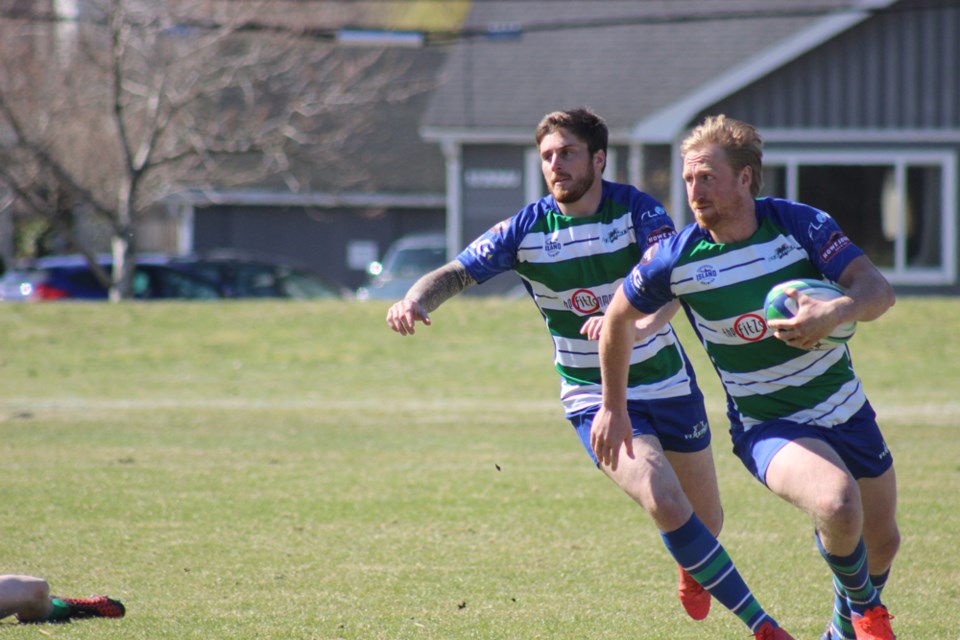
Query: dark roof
[(633, 62), (386, 152)]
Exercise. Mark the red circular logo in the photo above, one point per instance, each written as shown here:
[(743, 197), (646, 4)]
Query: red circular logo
[(585, 301), (750, 327)]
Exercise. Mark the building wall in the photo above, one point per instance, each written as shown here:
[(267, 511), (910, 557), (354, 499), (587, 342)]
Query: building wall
[(886, 92), (492, 184), (897, 70), (319, 239)]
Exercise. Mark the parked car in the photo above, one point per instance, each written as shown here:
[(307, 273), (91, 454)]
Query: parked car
[(410, 257), (241, 275), (159, 276), (71, 278), (405, 261)]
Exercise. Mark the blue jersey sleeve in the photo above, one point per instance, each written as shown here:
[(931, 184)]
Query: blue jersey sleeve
[(828, 247), (651, 222), (492, 253), (647, 287)]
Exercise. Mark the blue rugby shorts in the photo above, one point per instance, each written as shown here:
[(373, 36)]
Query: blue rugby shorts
[(680, 423), (858, 442)]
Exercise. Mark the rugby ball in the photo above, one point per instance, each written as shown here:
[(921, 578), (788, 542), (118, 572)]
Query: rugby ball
[(780, 306)]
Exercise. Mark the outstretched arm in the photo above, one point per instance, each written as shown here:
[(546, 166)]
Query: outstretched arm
[(611, 428), (426, 294)]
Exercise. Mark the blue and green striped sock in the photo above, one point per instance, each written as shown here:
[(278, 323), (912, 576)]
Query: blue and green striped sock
[(841, 628), (853, 578), (702, 556)]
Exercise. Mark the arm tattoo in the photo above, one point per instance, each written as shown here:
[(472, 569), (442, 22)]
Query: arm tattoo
[(440, 285)]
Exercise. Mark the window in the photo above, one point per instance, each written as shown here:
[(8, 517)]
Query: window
[(898, 208)]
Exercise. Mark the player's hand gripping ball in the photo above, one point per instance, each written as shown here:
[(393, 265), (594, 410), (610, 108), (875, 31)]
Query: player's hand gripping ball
[(779, 306)]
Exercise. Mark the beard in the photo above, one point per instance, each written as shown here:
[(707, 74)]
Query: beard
[(706, 219), (574, 190)]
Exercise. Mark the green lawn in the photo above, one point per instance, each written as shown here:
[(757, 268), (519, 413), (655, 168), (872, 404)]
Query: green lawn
[(272, 470)]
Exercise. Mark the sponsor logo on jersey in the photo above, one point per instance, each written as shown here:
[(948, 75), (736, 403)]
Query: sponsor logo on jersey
[(484, 248), (814, 229), (613, 235), (586, 302), (637, 279), (662, 233), (750, 327), (837, 242), (552, 246), (706, 274), (699, 431), (703, 245), (655, 213), (781, 252), (649, 254)]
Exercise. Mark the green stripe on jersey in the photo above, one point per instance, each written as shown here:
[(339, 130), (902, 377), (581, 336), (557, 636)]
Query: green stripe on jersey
[(665, 364), (565, 323), (794, 399), (706, 250), (724, 287), (556, 276), (556, 221), (729, 301), (743, 358)]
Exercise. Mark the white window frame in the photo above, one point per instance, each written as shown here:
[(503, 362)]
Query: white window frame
[(899, 159)]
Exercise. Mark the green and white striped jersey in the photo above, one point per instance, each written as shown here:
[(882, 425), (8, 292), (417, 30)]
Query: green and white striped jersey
[(571, 268), (723, 288)]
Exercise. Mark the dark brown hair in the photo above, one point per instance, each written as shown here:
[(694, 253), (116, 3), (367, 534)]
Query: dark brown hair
[(582, 122)]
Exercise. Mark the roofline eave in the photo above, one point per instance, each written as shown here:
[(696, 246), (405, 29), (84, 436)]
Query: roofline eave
[(201, 197), (667, 124), (504, 135)]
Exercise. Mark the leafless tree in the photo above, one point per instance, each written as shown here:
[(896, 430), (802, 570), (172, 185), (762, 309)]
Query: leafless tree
[(112, 109)]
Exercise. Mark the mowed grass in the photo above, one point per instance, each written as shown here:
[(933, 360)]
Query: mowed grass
[(272, 470)]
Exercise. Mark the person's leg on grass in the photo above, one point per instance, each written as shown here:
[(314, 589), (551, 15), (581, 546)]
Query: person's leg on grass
[(882, 538), (809, 474), (698, 479), (650, 480), (27, 597)]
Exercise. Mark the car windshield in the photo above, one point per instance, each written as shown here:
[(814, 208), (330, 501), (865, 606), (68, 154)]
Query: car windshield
[(416, 260), (300, 284)]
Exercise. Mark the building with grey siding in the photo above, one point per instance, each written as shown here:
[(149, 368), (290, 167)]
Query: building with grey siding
[(858, 102)]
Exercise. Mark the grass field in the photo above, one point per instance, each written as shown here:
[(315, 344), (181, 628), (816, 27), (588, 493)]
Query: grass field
[(270, 470)]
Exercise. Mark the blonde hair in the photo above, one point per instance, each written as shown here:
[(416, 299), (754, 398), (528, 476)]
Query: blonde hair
[(740, 141)]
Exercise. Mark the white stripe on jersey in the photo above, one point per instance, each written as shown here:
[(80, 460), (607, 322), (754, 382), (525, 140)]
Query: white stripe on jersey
[(837, 409), (736, 266), (792, 373), (578, 397), (581, 241), (586, 353), (724, 330), (581, 301)]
